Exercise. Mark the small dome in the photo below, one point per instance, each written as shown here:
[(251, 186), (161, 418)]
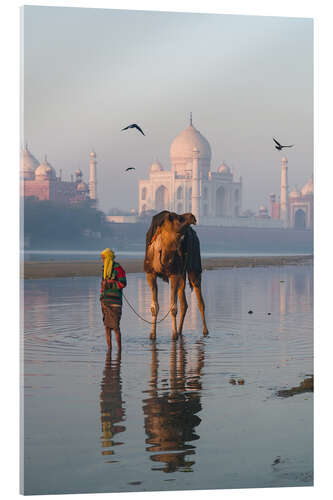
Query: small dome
[(284, 160), (308, 188), (156, 167), (82, 187), (224, 169), (41, 171), (78, 172), (30, 163), (262, 208), (295, 193), (183, 145), (45, 171), (92, 154)]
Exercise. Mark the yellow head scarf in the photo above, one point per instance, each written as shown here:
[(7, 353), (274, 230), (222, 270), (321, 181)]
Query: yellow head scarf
[(108, 255)]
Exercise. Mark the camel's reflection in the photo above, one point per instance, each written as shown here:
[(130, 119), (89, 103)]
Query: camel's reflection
[(170, 412), (112, 410)]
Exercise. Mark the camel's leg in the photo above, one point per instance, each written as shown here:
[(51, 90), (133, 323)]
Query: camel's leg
[(183, 303), (152, 282), (174, 284), (196, 282)]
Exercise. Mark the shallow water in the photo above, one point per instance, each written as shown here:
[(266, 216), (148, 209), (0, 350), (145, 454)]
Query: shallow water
[(65, 255), (165, 416)]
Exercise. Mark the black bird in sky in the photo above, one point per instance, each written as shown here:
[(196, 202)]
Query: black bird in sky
[(279, 146), (129, 168), (134, 125)]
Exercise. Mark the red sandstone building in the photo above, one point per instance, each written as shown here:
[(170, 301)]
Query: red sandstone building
[(41, 182)]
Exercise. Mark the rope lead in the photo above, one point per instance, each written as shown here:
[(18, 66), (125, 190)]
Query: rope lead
[(164, 317), (143, 319)]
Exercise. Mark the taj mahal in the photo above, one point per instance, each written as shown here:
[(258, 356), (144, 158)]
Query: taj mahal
[(191, 185), (215, 197)]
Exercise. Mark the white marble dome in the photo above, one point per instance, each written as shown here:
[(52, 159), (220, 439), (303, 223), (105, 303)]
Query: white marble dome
[(156, 167), (30, 163), (183, 145), (308, 188), (45, 171)]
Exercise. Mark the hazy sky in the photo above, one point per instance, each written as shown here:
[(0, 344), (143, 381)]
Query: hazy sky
[(90, 72)]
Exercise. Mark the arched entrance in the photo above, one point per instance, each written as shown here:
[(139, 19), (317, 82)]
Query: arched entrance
[(179, 193), (161, 198), (220, 201), (300, 219)]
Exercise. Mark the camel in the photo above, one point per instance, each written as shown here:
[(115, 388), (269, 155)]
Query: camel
[(172, 252), (171, 415)]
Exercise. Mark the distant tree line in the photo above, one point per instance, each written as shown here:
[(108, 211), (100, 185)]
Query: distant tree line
[(119, 211), (49, 222)]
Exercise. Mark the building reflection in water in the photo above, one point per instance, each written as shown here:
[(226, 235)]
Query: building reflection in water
[(171, 411), (296, 296), (293, 291), (92, 308), (36, 309), (112, 405)]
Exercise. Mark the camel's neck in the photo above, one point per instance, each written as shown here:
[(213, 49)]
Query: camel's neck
[(154, 254)]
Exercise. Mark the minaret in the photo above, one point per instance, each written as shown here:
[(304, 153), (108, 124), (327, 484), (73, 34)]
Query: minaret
[(272, 202), (92, 178), (284, 208), (196, 184)]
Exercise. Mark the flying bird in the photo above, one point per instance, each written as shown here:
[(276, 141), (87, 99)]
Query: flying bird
[(279, 146), (129, 168), (134, 125)]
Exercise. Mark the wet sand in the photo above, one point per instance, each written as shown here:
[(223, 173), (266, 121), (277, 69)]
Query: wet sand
[(63, 269)]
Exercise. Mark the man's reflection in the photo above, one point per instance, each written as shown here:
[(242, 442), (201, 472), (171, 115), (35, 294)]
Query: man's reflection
[(112, 410), (170, 413)]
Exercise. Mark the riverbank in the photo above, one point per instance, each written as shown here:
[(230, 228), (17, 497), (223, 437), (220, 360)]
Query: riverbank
[(67, 269)]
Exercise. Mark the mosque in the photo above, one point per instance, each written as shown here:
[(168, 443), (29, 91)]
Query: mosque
[(294, 209), (40, 181)]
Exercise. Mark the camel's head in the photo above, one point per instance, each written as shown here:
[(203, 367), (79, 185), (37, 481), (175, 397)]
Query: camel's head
[(172, 233)]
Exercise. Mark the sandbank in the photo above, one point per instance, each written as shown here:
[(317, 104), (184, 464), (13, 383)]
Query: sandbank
[(67, 269)]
